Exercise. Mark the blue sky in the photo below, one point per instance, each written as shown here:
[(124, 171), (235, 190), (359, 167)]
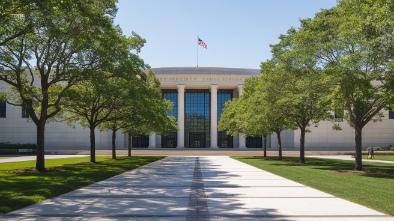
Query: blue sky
[(238, 32)]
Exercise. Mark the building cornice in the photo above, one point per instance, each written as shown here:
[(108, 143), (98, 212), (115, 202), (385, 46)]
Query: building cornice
[(205, 71)]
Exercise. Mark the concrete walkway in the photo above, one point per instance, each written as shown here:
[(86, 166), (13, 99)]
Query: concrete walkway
[(197, 188)]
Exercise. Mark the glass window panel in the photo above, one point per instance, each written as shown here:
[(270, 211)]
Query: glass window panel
[(224, 140), (197, 118), (170, 141), (172, 95), (391, 114), (254, 142), (140, 141), (3, 112), (24, 113)]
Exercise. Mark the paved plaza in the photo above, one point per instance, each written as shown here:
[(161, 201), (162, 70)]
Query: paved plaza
[(197, 188)]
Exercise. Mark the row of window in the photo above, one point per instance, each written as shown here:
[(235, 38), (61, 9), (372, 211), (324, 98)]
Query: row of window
[(3, 111), (170, 142), (338, 115)]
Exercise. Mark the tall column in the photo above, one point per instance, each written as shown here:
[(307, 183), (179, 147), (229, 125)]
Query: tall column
[(242, 139), (214, 116), (152, 141), (181, 116)]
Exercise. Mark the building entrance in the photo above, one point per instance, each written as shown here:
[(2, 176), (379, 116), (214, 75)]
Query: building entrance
[(197, 140), (169, 141), (197, 118), (140, 141), (254, 142)]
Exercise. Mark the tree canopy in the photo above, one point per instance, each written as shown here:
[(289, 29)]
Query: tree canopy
[(46, 47), (352, 43), (342, 59)]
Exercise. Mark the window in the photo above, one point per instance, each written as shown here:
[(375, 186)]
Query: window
[(197, 118), (224, 140), (172, 95), (391, 114), (140, 141), (2, 109), (254, 142), (223, 97), (24, 113), (170, 140)]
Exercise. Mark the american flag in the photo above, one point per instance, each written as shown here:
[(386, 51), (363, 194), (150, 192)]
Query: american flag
[(202, 43)]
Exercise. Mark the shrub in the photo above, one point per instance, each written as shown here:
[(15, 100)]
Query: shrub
[(9, 145), (375, 148), (390, 148)]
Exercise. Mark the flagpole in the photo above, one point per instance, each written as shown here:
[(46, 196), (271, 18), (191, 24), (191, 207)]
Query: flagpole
[(197, 50)]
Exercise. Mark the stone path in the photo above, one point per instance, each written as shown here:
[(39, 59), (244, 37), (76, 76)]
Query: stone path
[(197, 188)]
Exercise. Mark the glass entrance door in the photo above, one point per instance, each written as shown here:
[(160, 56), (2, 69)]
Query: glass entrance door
[(140, 141), (254, 142), (197, 140), (197, 118)]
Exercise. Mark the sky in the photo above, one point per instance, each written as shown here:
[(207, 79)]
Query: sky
[(238, 33)]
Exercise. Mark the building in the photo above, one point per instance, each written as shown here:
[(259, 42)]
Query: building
[(198, 94)]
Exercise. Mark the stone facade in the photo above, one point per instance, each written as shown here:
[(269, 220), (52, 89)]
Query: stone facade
[(184, 81)]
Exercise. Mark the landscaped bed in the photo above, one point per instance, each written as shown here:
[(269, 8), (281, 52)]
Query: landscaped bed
[(372, 187)]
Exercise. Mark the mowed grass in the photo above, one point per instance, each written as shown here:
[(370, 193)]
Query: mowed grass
[(381, 157), (18, 190), (374, 189)]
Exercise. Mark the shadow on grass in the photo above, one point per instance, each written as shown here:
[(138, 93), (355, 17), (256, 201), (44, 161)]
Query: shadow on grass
[(177, 187), (370, 169), (372, 189), (22, 189)]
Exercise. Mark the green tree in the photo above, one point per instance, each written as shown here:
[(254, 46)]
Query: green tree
[(353, 43), (255, 120), (299, 85), (144, 111), (93, 102), (15, 18), (41, 64), (273, 114), (254, 114), (266, 114), (231, 118)]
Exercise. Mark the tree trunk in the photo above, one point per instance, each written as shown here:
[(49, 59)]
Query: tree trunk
[(129, 146), (92, 144), (358, 148), (113, 143), (279, 144), (302, 145), (265, 145), (40, 160), (40, 125)]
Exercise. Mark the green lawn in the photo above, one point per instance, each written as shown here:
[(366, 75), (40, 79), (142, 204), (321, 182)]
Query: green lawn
[(20, 190), (373, 189), (381, 157)]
